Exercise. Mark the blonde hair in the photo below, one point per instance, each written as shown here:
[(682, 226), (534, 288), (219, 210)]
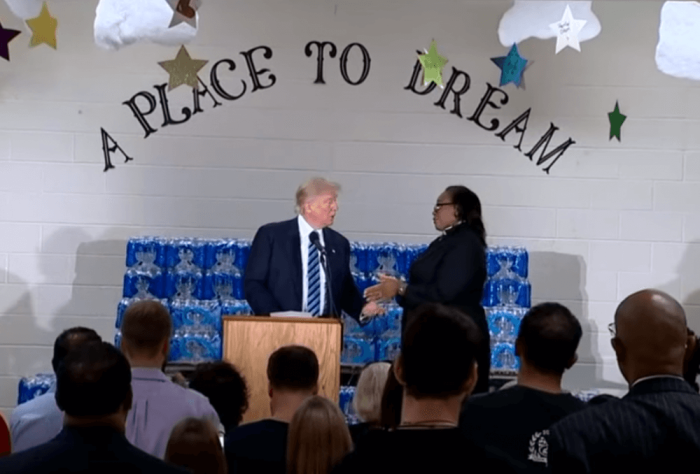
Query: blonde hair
[(311, 188), (318, 438), (368, 394)]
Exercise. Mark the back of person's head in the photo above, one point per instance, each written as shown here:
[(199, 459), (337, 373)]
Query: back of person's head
[(368, 393), (146, 329), (70, 339), (293, 369), (548, 338), (194, 444), (318, 437), (225, 388), (438, 356), (94, 380), (392, 402), (650, 335)]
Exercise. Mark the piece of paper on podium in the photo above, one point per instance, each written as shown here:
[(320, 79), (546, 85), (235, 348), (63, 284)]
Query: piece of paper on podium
[(292, 314)]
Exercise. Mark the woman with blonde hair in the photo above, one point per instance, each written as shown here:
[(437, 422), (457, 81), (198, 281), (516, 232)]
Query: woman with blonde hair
[(318, 438), (367, 402)]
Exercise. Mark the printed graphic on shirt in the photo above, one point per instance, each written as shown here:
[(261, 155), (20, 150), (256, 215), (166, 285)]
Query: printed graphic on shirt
[(539, 447)]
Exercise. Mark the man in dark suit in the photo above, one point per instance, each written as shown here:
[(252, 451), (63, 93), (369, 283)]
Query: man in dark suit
[(94, 391), (656, 426), (284, 271)]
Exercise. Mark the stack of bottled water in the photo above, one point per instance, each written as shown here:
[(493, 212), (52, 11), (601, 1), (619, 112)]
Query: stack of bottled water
[(506, 299), (347, 394), (31, 387), (369, 260), (198, 280), (380, 339)]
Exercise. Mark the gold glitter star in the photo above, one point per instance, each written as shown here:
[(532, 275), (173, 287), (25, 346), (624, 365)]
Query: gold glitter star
[(43, 28), (183, 69)]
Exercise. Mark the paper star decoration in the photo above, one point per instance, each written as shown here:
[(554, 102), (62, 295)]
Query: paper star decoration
[(616, 121), (183, 69), (432, 64), (6, 36), (567, 30), (512, 67), (43, 28), (184, 11)]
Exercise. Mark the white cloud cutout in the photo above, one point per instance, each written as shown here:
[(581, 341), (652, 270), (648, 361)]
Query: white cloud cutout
[(25, 9), (532, 19), (120, 23), (678, 51)]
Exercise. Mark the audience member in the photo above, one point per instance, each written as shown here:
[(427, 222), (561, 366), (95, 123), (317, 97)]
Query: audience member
[(437, 368), (368, 398), (261, 447), (94, 391), (392, 402), (318, 438), (37, 421), (226, 390), (656, 426), (194, 444), (516, 420), (159, 404)]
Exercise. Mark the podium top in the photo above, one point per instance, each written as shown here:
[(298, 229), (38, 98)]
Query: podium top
[(280, 319)]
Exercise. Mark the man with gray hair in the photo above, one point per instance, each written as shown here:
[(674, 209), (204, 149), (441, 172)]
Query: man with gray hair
[(285, 271)]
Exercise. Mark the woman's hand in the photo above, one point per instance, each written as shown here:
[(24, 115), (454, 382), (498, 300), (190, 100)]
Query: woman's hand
[(387, 289)]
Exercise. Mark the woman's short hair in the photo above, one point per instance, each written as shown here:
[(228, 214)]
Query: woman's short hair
[(194, 444), (318, 437), (368, 394), (225, 388), (314, 187), (468, 208)]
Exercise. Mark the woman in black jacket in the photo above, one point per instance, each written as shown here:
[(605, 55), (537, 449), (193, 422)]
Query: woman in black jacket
[(452, 271)]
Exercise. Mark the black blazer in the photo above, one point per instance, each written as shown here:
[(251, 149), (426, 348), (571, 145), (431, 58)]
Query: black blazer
[(273, 277), (86, 450), (452, 271), (654, 428)]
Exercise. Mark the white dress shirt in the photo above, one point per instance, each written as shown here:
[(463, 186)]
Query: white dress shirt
[(304, 230)]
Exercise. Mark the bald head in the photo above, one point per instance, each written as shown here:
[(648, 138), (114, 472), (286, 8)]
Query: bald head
[(651, 335)]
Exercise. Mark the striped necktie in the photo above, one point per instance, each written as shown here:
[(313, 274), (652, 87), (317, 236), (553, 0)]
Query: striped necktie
[(313, 304)]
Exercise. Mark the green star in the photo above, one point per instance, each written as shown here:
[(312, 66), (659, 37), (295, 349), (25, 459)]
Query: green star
[(432, 64), (616, 121)]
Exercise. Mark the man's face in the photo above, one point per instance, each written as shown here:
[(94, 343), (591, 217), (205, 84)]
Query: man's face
[(320, 210)]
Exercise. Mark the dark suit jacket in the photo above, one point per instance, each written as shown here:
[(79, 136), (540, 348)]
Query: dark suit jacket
[(86, 450), (452, 271), (654, 428), (273, 277)]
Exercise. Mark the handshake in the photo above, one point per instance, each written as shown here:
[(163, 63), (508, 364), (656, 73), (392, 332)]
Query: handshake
[(387, 288)]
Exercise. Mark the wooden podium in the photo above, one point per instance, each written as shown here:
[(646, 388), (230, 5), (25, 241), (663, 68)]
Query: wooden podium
[(250, 340)]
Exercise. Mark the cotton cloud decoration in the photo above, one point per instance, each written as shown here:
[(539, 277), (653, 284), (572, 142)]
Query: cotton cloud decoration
[(25, 9), (532, 19), (678, 51), (120, 23)]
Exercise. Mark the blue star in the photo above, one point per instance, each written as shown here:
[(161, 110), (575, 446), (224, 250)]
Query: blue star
[(512, 67)]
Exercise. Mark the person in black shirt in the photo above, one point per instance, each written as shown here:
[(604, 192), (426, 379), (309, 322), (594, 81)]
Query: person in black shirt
[(452, 271), (261, 447), (428, 438), (93, 389), (516, 420)]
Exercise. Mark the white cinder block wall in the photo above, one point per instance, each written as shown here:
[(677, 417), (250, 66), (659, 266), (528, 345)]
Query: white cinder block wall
[(609, 219)]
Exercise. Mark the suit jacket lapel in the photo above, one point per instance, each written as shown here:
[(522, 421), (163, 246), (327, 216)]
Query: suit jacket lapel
[(333, 256), (294, 249)]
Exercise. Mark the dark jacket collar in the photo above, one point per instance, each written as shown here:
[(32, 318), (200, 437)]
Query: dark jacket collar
[(661, 385)]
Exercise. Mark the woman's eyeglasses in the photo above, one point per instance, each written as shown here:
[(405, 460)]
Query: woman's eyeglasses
[(441, 204)]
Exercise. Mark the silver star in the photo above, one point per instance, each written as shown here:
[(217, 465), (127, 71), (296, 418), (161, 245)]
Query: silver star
[(180, 8)]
